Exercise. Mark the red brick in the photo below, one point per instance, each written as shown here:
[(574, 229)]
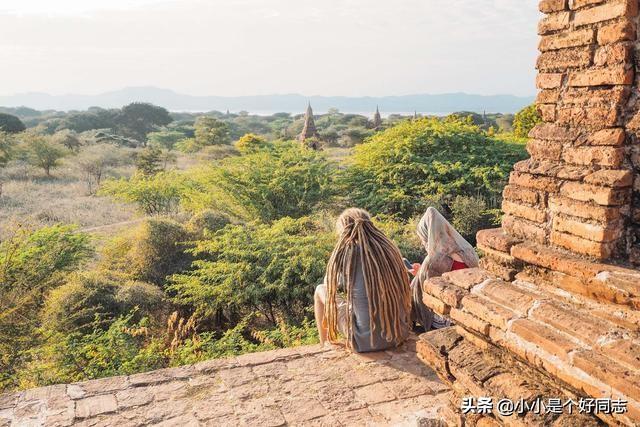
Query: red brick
[(466, 278), (541, 149), (624, 351), (543, 337), (616, 32), (469, 321), (586, 210), (548, 96), (497, 239), (548, 80), (591, 193), (546, 184), (609, 137), (560, 60), (586, 116), (618, 178), (571, 321), (616, 75), (508, 295), (554, 133), (547, 112), (553, 259), (566, 40), (488, 311), (594, 156), (524, 229), (444, 291), (595, 232), (521, 194), (435, 304), (554, 22), (610, 372), (605, 12), (577, 4), (499, 270), (548, 6), (522, 211), (600, 250), (612, 54)]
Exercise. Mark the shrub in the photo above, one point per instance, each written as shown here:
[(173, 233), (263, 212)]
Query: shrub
[(525, 120), (396, 171), (250, 143), (11, 124)]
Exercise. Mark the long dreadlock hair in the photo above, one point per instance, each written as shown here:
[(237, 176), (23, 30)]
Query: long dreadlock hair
[(385, 277)]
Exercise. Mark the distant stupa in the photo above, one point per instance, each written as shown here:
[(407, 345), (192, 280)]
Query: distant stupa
[(309, 131), (377, 120)]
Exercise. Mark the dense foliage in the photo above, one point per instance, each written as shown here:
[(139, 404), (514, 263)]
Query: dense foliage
[(525, 120), (399, 170), (11, 124)]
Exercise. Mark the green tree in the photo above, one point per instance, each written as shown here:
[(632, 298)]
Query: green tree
[(399, 170), (32, 262), (287, 180), (251, 143), (7, 145), (149, 161), (138, 119), (159, 194), (525, 120), (11, 124), (268, 269), (211, 131), (165, 139), (42, 152)]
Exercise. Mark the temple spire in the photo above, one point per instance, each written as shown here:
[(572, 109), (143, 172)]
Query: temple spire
[(309, 131), (377, 120)]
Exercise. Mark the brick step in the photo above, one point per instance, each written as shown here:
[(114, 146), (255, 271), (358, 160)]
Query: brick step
[(607, 283), (473, 371), (555, 332)]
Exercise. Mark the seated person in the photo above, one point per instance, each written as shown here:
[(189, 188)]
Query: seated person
[(375, 313), (447, 251)]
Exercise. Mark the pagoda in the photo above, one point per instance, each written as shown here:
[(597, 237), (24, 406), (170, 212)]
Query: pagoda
[(309, 132)]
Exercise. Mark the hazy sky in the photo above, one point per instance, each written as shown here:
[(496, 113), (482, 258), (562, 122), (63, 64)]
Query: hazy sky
[(251, 47)]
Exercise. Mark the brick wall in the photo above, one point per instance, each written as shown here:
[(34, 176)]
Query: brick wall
[(575, 192)]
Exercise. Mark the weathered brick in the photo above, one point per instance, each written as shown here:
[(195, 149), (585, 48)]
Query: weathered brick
[(567, 319), (521, 194), (444, 291), (594, 155), (591, 193), (615, 75), (612, 54), (543, 337), (548, 96), (548, 6), (466, 278), (527, 212), (509, 295), (542, 149), (488, 311), (497, 239), (566, 40), (524, 229), (553, 259), (549, 80), (559, 60), (624, 351), (600, 250), (610, 372), (554, 133), (609, 137), (606, 12), (547, 112), (617, 178), (577, 4), (469, 321), (435, 304), (616, 32), (586, 210), (595, 232), (596, 96), (586, 116), (554, 22), (546, 184)]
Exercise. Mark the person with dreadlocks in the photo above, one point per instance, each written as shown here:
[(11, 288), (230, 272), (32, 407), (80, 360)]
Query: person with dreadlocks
[(447, 251), (368, 267)]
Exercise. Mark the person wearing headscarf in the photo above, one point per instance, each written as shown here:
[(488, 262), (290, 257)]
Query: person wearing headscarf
[(375, 312), (447, 251)]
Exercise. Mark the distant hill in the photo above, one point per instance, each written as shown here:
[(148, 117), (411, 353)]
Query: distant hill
[(443, 103)]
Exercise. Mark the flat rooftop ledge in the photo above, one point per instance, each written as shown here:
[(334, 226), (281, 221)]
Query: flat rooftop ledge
[(297, 386)]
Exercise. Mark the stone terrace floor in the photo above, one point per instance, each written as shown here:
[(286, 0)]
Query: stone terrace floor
[(299, 386)]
